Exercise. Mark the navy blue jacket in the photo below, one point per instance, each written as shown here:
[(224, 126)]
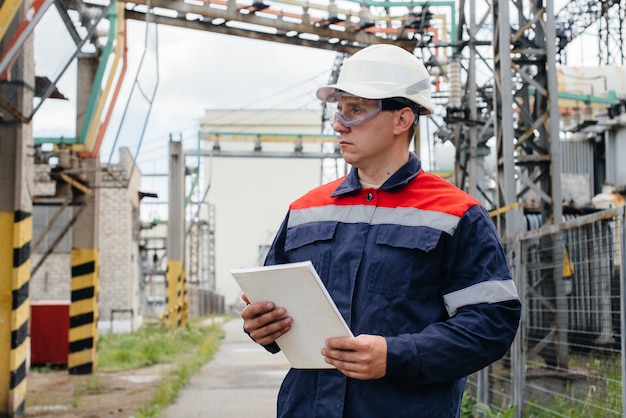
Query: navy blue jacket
[(417, 261)]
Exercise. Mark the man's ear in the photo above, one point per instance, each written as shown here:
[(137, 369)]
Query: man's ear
[(404, 120)]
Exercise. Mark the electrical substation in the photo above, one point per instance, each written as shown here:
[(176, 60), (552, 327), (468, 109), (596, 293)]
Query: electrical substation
[(537, 140)]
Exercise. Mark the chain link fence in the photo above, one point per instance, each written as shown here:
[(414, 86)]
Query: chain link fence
[(568, 359)]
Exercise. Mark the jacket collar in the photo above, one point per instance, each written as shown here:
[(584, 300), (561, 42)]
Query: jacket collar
[(400, 178)]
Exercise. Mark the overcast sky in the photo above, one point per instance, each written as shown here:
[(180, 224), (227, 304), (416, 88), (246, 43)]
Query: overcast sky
[(196, 71)]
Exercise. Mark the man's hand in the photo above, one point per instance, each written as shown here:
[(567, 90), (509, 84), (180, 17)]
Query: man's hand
[(363, 357), (265, 322)]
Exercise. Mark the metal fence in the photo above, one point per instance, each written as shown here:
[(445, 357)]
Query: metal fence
[(567, 360), (204, 302)]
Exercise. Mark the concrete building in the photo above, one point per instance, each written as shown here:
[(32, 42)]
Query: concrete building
[(250, 191), (119, 299)]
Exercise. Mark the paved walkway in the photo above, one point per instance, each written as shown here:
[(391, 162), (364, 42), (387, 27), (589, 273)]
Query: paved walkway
[(242, 380)]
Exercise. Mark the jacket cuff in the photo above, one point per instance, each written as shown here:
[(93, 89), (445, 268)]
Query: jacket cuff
[(402, 357), (272, 348)]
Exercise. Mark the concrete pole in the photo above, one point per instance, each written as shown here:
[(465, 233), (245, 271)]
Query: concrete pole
[(16, 168), (175, 276), (83, 335)]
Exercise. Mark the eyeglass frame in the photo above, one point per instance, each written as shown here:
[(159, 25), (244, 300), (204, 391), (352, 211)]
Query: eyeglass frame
[(341, 116), (390, 104)]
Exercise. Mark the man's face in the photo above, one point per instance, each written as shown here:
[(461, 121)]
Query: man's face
[(365, 143)]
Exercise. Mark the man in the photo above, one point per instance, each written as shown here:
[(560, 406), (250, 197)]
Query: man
[(414, 264)]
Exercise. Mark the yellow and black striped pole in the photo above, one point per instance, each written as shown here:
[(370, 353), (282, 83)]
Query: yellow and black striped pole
[(173, 278), (16, 233), (16, 226), (83, 335), (184, 300)]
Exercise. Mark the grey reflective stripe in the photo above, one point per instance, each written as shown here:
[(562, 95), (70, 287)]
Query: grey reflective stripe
[(491, 291), (422, 85), (344, 214), (416, 217), (374, 216)]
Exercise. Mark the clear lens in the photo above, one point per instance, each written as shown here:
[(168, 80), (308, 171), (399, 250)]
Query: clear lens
[(351, 110)]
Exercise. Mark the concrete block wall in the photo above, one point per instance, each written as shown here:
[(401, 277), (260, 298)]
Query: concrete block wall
[(52, 279), (120, 308), (116, 255)]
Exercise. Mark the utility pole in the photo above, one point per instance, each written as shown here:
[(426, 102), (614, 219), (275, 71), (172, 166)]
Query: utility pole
[(16, 168), (175, 277), (83, 334)]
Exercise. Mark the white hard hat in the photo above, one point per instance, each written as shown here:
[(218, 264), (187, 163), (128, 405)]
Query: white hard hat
[(382, 72)]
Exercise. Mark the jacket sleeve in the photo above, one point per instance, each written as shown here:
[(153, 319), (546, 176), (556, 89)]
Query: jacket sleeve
[(482, 304), (276, 255)]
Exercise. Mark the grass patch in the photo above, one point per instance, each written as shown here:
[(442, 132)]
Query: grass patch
[(186, 366), (152, 344), (187, 348)]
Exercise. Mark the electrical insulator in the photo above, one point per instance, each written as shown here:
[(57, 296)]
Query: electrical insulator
[(454, 77), (566, 119), (588, 111), (63, 154), (332, 11)]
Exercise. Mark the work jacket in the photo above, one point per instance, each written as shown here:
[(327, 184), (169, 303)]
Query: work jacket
[(416, 261)]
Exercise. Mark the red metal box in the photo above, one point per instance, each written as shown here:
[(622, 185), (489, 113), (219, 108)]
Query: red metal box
[(49, 332)]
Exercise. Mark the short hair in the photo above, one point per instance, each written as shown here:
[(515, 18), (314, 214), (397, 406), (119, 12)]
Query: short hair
[(397, 103)]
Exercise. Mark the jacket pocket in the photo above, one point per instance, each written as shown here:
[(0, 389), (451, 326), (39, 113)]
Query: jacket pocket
[(406, 262), (312, 242)]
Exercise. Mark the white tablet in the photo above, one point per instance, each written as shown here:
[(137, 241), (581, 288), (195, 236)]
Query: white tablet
[(297, 288)]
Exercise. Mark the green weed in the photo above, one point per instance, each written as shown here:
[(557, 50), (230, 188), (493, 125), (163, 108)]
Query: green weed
[(186, 366), (152, 344)]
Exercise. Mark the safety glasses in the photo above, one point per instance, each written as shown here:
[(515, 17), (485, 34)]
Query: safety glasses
[(352, 110)]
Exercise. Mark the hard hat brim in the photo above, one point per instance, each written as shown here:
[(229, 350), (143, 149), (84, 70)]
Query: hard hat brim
[(367, 92)]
